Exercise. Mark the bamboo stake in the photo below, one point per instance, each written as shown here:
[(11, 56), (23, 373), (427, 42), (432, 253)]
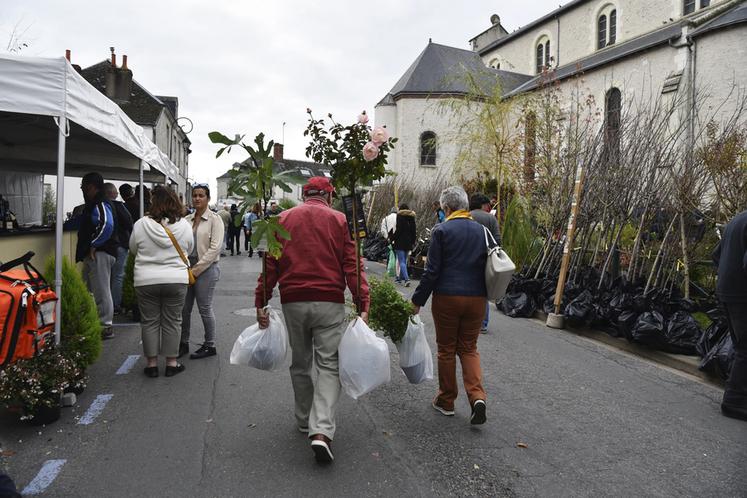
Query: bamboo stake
[(685, 260), (636, 245), (659, 256), (569, 240), (613, 248), (357, 253)]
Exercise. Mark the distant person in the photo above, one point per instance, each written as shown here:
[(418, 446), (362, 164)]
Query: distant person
[(388, 227), (730, 257), (455, 274), (225, 216), (493, 205), (440, 215), (318, 262), (234, 230), (97, 247), (249, 218), (479, 205), (134, 205), (124, 229), (207, 229), (128, 197), (275, 209), (403, 240), (161, 278)]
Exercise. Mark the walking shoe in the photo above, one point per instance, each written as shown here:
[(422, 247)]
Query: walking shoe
[(303, 428), (203, 352), (238, 253), (151, 371), (107, 333), (442, 411), (484, 329), (407, 283), (478, 413), (322, 447), (733, 412), (173, 370), (183, 349)]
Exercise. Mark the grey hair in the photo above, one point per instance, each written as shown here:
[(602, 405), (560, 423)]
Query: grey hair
[(454, 198)]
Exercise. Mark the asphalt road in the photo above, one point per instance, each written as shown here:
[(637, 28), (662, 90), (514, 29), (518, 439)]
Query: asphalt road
[(566, 417)]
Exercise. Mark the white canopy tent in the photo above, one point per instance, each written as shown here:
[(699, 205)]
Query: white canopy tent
[(101, 135)]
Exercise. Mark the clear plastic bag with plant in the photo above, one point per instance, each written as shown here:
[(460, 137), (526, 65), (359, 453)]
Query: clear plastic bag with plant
[(364, 360), (415, 357), (264, 349)]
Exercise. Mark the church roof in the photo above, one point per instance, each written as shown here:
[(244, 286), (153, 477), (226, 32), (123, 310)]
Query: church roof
[(733, 16), (440, 69)]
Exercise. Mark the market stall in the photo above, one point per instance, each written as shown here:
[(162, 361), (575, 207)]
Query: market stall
[(52, 121)]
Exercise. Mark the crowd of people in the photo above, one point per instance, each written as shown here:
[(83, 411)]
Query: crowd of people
[(168, 244)]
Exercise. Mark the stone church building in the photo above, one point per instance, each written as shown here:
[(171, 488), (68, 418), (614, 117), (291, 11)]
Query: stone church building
[(625, 51)]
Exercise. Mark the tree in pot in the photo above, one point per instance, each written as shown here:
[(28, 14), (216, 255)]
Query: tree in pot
[(36, 384)]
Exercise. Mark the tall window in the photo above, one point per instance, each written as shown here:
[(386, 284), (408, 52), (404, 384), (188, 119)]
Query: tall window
[(613, 28), (606, 28), (689, 7), (612, 114), (542, 55), (704, 3), (602, 31), (428, 149)]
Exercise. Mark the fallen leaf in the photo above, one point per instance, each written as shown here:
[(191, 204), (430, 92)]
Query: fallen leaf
[(477, 467), (209, 420), (522, 445), (252, 425), (7, 453)]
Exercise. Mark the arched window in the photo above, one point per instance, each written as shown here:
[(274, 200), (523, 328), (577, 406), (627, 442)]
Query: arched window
[(602, 31), (542, 54), (495, 64), (613, 28), (689, 7), (428, 148), (612, 118)]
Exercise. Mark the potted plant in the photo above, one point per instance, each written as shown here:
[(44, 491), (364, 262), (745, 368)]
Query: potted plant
[(36, 384), (356, 154)]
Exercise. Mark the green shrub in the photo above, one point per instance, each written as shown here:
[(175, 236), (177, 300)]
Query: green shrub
[(517, 236), (129, 300), (80, 327), (389, 311)]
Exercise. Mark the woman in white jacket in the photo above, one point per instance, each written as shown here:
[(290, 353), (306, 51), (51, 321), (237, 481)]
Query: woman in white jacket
[(161, 278)]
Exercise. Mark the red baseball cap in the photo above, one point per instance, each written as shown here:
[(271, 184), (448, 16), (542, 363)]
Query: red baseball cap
[(317, 185)]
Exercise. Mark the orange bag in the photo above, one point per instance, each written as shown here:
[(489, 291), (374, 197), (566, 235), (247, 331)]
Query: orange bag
[(27, 310)]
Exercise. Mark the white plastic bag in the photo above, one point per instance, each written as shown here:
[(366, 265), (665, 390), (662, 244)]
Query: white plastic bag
[(414, 353), (364, 360), (264, 349)]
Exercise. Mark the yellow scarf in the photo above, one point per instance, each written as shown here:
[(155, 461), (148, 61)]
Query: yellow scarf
[(460, 213)]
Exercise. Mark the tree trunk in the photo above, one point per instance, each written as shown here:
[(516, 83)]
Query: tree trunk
[(659, 256), (685, 260)]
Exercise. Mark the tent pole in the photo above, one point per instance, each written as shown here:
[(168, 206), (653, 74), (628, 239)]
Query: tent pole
[(142, 194), (62, 126)]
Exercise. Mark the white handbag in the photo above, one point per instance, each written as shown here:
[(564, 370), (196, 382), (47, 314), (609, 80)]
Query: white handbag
[(498, 269)]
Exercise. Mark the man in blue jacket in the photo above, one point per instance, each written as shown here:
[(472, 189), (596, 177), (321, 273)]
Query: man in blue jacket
[(97, 247), (731, 288)]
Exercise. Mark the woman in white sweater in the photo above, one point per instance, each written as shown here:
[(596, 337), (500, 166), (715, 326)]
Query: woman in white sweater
[(161, 278)]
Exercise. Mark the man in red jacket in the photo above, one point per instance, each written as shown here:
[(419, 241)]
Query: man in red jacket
[(313, 271)]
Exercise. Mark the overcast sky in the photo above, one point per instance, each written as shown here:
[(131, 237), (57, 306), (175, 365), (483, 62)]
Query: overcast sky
[(246, 67)]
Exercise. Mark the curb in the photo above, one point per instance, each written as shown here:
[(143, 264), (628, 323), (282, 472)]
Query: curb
[(683, 363)]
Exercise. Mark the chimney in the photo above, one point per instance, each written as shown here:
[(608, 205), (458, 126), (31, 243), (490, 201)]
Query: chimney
[(67, 55), (277, 152), (118, 80)]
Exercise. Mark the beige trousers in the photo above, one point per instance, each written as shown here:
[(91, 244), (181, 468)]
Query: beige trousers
[(314, 332), (161, 317)]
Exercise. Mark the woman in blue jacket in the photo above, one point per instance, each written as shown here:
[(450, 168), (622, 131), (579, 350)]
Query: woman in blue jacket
[(455, 274)]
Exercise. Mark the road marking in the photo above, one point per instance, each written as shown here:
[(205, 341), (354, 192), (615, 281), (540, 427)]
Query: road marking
[(95, 409), (44, 478), (128, 364)]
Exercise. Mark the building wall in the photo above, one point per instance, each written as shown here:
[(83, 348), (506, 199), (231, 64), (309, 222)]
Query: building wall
[(167, 136), (577, 30)]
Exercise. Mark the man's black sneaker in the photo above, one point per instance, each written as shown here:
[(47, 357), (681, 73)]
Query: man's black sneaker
[(183, 349), (322, 447), (478, 413), (203, 352), (107, 333)]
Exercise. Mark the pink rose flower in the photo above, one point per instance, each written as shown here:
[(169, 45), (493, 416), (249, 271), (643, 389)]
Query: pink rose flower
[(370, 151), (379, 135), (363, 118)]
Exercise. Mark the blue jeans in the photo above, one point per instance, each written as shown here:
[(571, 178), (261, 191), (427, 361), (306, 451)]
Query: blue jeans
[(117, 280), (402, 258)]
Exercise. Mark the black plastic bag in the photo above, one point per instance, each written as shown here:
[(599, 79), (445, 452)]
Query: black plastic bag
[(712, 336), (649, 329), (720, 358), (581, 309), (518, 305), (626, 320), (683, 334)]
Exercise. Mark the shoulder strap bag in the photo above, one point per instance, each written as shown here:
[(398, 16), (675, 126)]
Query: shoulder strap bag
[(498, 269), (181, 255)]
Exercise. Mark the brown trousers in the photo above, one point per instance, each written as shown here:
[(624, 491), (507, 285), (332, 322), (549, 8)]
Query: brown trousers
[(458, 320)]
